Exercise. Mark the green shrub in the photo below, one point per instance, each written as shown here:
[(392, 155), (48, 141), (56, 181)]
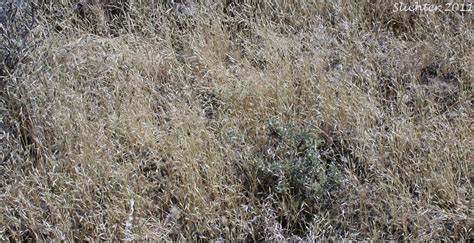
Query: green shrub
[(290, 169)]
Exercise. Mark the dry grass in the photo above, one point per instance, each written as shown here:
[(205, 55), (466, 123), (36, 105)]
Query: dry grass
[(278, 120)]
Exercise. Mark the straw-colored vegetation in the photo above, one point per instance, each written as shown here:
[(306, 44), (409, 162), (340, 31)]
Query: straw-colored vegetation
[(245, 120)]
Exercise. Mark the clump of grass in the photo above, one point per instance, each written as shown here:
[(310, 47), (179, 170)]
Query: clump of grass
[(125, 121)]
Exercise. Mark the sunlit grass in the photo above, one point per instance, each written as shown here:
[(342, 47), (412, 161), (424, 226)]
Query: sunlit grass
[(253, 120)]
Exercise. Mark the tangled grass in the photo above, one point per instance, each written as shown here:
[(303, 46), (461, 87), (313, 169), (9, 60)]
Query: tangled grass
[(250, 120)]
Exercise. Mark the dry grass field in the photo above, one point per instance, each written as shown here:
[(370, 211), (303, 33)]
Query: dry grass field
[(235, 120)]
